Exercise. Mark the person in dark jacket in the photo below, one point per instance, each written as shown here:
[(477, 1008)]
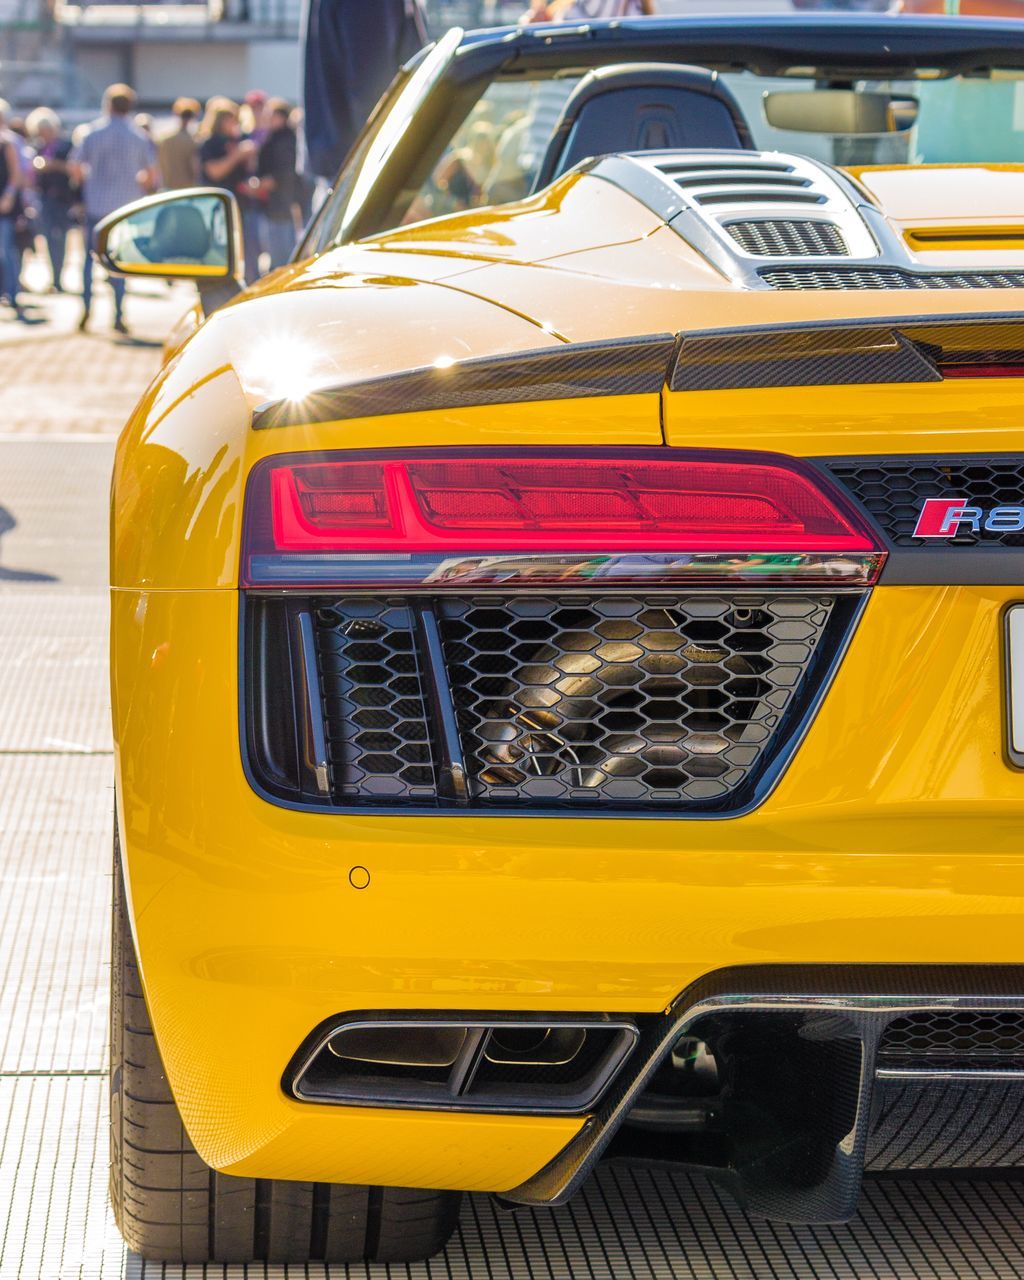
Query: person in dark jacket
[(224, 155), (10, 193), (55, 192), (277, 182), (352, 51)]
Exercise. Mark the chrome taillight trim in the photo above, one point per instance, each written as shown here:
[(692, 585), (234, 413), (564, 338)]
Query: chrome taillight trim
[(835, 570)]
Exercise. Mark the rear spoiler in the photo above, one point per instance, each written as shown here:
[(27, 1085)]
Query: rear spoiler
[(791, 355)]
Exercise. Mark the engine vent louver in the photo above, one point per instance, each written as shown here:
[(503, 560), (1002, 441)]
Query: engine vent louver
[(740, 180), (888, 278), (742, 177), (788, 237), (733, 206)]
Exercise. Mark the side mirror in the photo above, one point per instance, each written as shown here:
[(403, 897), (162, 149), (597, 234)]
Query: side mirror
[(840, 112), (179, 235)]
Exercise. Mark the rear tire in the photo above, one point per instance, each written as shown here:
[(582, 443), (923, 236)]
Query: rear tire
[(170, 1206)]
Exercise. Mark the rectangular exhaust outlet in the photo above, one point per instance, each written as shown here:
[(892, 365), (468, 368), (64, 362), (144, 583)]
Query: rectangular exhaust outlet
[(514, 1065)]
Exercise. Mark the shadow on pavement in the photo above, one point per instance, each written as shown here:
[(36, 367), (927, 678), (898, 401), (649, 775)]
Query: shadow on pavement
[(7, 523), (132, 341)]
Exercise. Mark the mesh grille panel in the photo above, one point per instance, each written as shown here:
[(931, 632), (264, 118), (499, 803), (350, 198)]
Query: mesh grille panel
[(962, 1038), (623, 700), (375, 714), (787, 237), (888, 278), (894, 489), (532, 702)]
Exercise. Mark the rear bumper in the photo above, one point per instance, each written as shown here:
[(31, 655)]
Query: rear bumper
[(893, 838), (805, 1114)]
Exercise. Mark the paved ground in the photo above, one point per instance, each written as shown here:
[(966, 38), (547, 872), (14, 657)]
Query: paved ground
[(62, 398), (54, 379)]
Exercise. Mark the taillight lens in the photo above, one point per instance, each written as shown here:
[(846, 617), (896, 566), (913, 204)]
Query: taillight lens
[(1015, 370), (349, 519)]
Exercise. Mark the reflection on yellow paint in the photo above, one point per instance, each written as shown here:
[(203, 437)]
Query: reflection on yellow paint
[(283, 368)]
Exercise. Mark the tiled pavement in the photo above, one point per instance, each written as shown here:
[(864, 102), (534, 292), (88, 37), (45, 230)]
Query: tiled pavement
[(55, 380)]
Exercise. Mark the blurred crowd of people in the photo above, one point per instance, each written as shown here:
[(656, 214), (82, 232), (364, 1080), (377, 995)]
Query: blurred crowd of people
[(495, 156), (54, 183)]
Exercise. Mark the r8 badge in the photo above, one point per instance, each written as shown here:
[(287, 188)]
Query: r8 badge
[(947, 517)]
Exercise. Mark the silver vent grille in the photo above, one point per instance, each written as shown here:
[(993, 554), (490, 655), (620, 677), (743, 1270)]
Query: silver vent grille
[(742, 180), (788, 238), (735, 206), (888, 278)]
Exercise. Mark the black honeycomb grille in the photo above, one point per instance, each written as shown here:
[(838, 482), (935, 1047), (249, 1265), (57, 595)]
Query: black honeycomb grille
[(624, 700), (788, 237), (535, 702), (888, 278), (379, 742), (954, 1039), (893, 490)]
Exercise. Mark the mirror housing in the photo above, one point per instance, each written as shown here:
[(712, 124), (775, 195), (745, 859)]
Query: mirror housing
[(839, 112), (194, 234)]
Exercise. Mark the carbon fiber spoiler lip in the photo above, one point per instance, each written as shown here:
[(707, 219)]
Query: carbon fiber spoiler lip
[(619, 367), (801, 354)]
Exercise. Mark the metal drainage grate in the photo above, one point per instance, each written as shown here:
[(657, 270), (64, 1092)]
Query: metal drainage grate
[(788, 237), (628, 1221)]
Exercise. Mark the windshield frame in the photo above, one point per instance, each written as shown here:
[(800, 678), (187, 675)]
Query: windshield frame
[(832, 46)]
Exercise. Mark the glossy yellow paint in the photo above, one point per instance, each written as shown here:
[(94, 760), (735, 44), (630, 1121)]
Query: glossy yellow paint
[(180, 333), (573, 215), (616, 292), (966, 238), (959, 415), (895, 835), (950, 214), (174, 270), (946, 193), (250, 934)]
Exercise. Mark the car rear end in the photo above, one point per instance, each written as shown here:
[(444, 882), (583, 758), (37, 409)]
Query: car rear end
[(651, 789)]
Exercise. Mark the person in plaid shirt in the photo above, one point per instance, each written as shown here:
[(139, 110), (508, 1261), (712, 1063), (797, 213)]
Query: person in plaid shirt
[(115, 163)]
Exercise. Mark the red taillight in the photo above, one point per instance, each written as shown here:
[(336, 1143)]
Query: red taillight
[(981, 370), (328, 518)]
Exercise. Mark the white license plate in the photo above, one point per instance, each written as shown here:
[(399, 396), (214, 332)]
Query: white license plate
[(1015, 683)]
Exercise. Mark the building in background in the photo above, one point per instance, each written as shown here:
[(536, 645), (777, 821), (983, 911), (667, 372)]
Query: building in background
[(63, 52)]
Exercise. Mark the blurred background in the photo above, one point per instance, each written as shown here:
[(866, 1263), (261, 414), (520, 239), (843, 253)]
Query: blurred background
[(222, 92), (65, 52)]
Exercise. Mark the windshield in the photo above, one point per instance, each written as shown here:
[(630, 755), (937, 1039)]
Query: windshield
[(485, 139), (959, 121)]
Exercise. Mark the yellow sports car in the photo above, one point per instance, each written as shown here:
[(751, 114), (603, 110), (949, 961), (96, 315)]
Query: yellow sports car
[(568, 645)]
